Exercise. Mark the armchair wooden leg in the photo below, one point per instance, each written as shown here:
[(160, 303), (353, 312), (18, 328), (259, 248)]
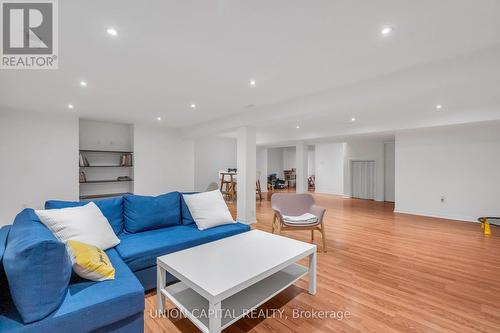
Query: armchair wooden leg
[(273, 224), (323, 237), (312, 235)]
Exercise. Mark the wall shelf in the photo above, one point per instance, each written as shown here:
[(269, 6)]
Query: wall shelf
[(106, 181), (105, 151), (106, 166), (105, 195)]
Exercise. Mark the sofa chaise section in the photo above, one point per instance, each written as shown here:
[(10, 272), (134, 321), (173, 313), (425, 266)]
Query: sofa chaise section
[(85, 305), (108, 306)]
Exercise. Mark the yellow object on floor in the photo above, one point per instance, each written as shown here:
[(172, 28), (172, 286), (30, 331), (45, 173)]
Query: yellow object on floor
[(487, 228)]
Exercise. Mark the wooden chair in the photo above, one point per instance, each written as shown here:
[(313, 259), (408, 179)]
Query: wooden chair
[(228, 185), (290, 204), (258, 190)]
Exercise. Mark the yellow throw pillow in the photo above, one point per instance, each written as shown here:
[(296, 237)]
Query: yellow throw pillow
[(90, 262)]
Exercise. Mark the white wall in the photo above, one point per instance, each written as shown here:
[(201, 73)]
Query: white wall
[(101, 135), (262, 167), (289, 158), (275, 161), (164, 161), (212, 154), (365, 150), (330, 168), (311, 162), (389, 174), (38, 160), (461, 163)]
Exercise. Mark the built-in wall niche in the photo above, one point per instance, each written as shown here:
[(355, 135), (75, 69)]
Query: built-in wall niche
[(106, 159)]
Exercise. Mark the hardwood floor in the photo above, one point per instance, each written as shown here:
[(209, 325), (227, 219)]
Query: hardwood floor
[(391, 272)]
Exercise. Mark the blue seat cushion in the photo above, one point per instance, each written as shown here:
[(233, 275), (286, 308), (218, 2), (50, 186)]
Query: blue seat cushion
[(147, 213), (37, 267), (111, 208), (88, 305), (140, 250)]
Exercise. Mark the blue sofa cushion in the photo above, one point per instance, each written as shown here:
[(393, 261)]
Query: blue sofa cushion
[(140, 250), (37, 267), (4, 231), (187, 218), (111, 208), (87, 305), (147, 213), (4, 294)]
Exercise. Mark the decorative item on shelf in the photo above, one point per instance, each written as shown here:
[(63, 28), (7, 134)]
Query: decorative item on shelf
[(126, 160), (123, 178), (83, 161), (83, 178)]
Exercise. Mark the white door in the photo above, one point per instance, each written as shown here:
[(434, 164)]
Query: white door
[(363, 179)]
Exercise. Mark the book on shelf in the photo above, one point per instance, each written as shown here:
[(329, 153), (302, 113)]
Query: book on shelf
[(126, 160), (83, 161), (83, 178)]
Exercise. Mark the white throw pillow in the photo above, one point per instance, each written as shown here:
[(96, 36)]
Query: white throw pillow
[(85, 224), (208, 209)]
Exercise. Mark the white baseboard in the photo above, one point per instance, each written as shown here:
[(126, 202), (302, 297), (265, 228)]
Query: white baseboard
[(250, 221), (440, 216)]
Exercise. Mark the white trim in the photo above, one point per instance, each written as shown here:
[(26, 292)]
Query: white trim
[(439, 216), (251, 221), (328, 191)]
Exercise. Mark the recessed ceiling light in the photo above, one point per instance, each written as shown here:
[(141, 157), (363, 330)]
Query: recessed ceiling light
[(253, 83), (71, 106), (158, 118), (192, 106), (112, 32), (439, 107), (387, 30), (83, 83), (353, 119), (297, 127)]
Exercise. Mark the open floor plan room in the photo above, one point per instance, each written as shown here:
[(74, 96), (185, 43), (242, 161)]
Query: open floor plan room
[(386, 272), (249, 166)]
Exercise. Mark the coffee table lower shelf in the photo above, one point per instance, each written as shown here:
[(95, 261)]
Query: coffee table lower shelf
[(196, 307)]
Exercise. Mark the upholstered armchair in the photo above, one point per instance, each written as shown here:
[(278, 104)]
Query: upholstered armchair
[(290, 204)]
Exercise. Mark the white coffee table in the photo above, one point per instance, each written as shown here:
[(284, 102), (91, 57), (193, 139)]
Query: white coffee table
[(223, 280)]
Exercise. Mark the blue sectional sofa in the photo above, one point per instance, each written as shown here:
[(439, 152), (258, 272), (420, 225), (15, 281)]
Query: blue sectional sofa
[(147, 227)]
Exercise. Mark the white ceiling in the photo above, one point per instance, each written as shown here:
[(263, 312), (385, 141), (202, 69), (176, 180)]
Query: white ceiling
[(316, 63)]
